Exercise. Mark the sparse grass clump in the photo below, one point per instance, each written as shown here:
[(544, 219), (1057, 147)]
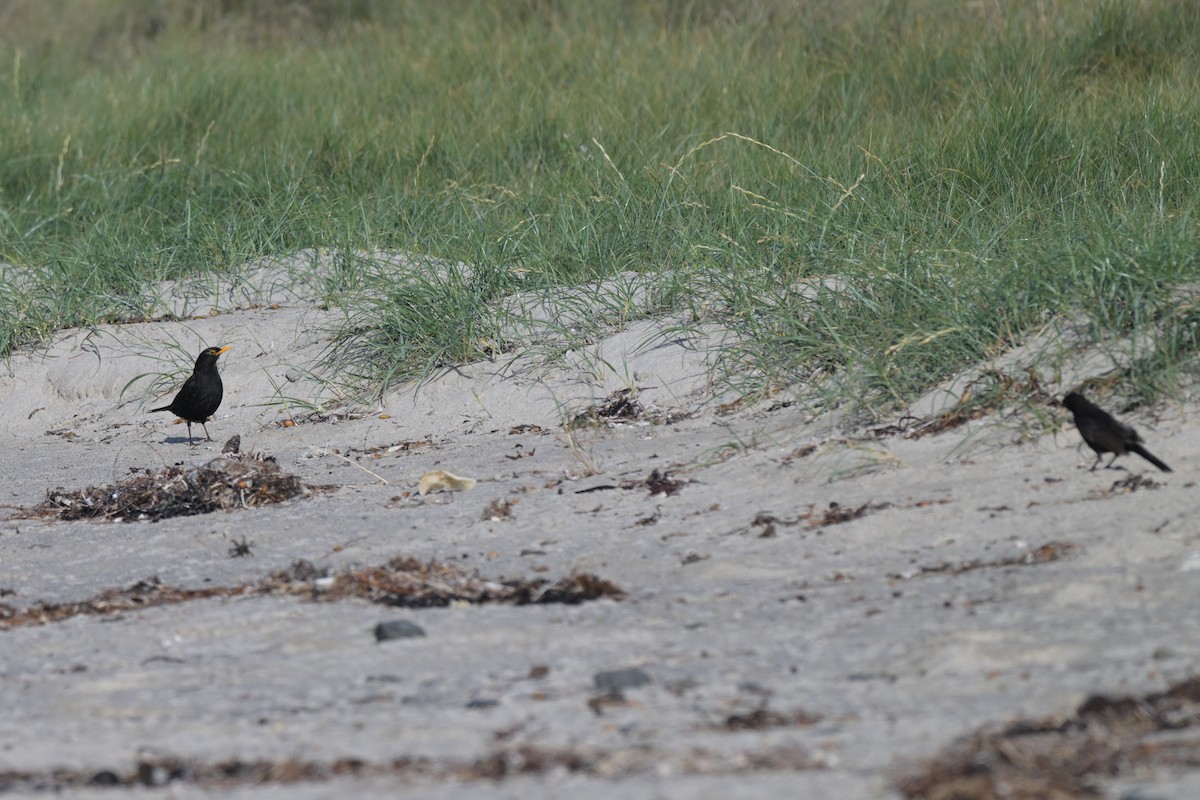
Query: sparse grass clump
[(872, 195)]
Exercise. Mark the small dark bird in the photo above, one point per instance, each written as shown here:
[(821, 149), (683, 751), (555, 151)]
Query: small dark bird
[(1104, 434), (201, 393)]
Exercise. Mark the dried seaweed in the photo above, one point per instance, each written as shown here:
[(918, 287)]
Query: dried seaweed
[(240, 548), (402, 582), (763, 719), (834, 514), (1061, 758), (1051, 551), (661, 482), (224, 483), (412, 583), (498, 509), (623, 406), (987, 394), (1127, 485), (161, 770), (143, 594), (837, 513)]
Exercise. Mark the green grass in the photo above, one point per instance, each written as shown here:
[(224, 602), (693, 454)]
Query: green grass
[(964, 171)]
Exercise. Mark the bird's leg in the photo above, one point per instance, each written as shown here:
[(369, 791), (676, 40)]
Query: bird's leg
[(1111, 460), (206, 436), (189, 423), (1096, 463)]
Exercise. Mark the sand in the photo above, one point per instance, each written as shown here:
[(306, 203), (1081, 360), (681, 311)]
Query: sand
[(819, 608)]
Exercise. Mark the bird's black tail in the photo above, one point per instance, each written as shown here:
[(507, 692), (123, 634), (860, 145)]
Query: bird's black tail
[(1146, 454), (168, 408)]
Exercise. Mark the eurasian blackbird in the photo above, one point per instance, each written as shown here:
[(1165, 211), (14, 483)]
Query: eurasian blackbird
[(1104, 434), (201, 393)]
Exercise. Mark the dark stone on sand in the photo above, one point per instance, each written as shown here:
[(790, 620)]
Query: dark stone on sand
[(397, 629), (616, 680), (105, 777), (483, 702)]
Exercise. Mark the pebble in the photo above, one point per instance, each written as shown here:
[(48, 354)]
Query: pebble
[(397, 629), (483, 702), (105, 777), (617, 679)]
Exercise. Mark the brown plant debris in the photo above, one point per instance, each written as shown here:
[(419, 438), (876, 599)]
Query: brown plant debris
[(571, 590), (239, 548), (649, 519), (910, 427), (527, 427), (802, 451), (404, 582), (987, 394), (833, 514), (1127, 485), (224, 483), (946, 421), (1051, 551), (505, 762), (1066, 758), (407, 446), (604, 487), (763, 718), (661, 482), (535, 760), (163, 770), (837, 513), (143, 594), (608, 701), (498, 509), (412, 583), (767, 522), (520, 453), (620, 407)]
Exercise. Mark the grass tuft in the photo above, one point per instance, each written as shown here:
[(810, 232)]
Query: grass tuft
[(870, 197)]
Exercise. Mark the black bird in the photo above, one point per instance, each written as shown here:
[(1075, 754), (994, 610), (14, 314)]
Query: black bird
[(1104, 434), (201, 393)]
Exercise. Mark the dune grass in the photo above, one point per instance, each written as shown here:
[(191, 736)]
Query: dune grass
[(871, 195)]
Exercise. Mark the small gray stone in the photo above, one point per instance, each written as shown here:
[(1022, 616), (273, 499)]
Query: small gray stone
[(397, 629), (483, 702), (384, 679), (1142, 794), (105, 777), (615, 680)]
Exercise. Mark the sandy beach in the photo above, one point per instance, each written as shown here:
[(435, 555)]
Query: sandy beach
[(807, 607)]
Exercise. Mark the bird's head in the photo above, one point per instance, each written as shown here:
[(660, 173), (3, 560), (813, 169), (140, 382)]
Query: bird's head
[(1074, 401)]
